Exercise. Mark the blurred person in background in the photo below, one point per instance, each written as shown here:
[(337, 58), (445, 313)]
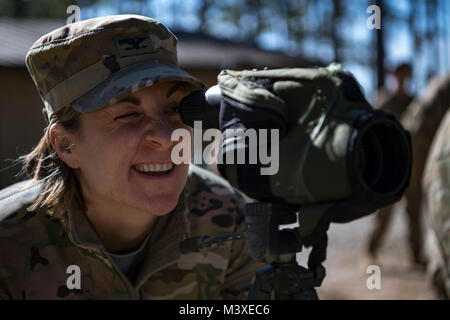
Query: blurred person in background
[(396, 103), (396, 100)]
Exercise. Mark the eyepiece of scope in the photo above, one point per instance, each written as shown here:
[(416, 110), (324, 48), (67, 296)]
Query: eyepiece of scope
[(203, 105)]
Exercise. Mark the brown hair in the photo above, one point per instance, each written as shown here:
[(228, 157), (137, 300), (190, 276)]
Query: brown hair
[(59, 183)]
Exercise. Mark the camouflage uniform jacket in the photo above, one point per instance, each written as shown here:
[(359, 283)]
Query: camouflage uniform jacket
[(436, 184), (423, 116), (36, 250)]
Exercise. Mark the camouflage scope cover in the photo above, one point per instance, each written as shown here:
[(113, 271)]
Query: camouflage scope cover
[(327, 138)]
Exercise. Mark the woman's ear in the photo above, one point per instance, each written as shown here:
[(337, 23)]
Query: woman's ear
[(63, 143)]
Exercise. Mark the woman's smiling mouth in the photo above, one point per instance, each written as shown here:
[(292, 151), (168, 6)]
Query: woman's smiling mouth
[(154, 169)]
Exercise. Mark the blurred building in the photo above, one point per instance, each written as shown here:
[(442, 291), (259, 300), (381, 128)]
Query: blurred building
[(21, 121)]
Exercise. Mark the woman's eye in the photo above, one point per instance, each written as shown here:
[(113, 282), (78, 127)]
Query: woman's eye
[(173, 109), (128, 115)]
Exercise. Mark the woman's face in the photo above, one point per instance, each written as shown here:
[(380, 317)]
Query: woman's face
[(124, 151)]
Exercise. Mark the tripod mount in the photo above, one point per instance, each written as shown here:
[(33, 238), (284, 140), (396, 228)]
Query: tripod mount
[(283, 278)]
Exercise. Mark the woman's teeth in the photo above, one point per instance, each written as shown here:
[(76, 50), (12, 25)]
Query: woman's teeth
[(160, 167)]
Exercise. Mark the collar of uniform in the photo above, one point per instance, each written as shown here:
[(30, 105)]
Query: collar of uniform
[(80, 229), (169, 231)]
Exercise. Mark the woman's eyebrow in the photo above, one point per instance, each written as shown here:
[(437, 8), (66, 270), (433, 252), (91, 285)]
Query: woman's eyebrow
[(137, 101), (133, 100), (174, 88)]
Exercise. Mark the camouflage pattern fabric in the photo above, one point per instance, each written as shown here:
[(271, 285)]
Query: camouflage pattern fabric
[(106, 57), (36, 251), (436, 184)]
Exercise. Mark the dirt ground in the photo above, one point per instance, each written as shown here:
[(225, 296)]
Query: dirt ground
[(346, 265)]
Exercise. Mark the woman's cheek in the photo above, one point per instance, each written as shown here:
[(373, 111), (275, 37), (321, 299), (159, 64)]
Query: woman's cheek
[(124, 140)]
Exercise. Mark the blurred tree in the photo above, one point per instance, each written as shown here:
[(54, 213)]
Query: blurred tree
[(380, 46), (40, 8), (335, 35), (19, 8), (431, 32), (204, 6), (320, 29), (443, 31)]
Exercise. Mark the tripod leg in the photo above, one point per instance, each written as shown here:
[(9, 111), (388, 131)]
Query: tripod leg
[(294, 282), (283, 281)]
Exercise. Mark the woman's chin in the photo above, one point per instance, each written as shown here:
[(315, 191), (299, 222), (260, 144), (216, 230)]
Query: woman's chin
[(160, 206)]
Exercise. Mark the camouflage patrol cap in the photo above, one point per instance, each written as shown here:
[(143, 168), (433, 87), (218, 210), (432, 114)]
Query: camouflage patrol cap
[(94, 63)]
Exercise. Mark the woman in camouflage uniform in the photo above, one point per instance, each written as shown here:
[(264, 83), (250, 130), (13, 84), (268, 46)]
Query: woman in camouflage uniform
[(106, 209)]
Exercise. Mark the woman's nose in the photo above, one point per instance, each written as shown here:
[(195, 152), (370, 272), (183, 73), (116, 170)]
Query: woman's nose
[(159, 133)]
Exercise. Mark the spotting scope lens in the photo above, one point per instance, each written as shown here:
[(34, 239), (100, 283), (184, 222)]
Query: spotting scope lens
[(382, 160)]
